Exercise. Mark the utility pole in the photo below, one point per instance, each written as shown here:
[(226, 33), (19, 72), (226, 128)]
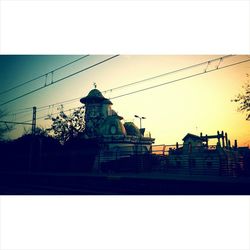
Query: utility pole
[(34, 121), (31, 157)]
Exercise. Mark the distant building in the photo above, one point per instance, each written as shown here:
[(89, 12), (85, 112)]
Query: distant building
[(117, 139), (192, 143), (196, 156)]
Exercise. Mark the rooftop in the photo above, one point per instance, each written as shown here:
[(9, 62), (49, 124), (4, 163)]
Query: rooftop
[(95, 96), (194, 137)]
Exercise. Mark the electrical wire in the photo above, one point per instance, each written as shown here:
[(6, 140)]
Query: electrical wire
[(17, 113), (23, 123), (44, 75), (162, 84), (59, 80), (57, 113), (168, 73), (57, 103), (143, 80), (183, 78)]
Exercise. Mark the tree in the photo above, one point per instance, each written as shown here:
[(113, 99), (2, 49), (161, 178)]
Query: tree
[(38, 131), (66, 127), (243, 99), (4, 127)]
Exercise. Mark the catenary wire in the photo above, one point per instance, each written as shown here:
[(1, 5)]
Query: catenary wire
[(168, 73), (59, 80), (143, 80), (183, 78), (44, 75), (159, 85)]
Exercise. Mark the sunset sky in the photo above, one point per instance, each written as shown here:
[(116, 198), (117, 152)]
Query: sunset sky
[(198, 104)]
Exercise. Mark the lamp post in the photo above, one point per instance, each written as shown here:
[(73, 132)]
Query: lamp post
[(140, 117), (140, 149)]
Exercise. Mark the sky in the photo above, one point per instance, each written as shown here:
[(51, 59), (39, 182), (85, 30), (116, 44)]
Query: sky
[(197, 104)]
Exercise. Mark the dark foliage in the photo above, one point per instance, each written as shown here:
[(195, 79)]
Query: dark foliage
[(4, 127), (39, 153), (67, 126), (243, 99)]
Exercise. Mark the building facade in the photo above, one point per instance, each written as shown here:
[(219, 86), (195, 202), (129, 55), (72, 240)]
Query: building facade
[(117, 139)]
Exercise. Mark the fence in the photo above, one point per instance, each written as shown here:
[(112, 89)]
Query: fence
[(176, 159), (172, 159)]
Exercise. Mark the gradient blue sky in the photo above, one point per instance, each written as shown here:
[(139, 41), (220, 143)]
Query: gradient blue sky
[(200, 104)]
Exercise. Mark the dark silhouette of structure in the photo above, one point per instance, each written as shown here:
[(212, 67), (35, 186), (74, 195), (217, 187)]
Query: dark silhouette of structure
[(196, 156), (112, 157), (116, 139)]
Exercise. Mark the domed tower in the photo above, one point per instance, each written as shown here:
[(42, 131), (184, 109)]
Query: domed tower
[(113, 125), (97, 109)]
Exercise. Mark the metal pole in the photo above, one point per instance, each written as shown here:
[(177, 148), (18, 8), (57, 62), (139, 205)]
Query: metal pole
[(34, 121), (218, 137), (223, 139), (226, 140)]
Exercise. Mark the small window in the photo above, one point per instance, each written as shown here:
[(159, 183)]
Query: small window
[(113, 129)]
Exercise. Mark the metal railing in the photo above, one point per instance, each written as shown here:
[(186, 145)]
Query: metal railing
[(164, 158)]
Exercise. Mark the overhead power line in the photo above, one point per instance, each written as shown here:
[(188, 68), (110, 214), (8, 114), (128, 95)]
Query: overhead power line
[(206, 71), (183, 78), (219, 59), (59, 80), (162, 84), (23, 123), (44, 75), (57, 113), (57, 103), (18, 113), (170, 72)]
